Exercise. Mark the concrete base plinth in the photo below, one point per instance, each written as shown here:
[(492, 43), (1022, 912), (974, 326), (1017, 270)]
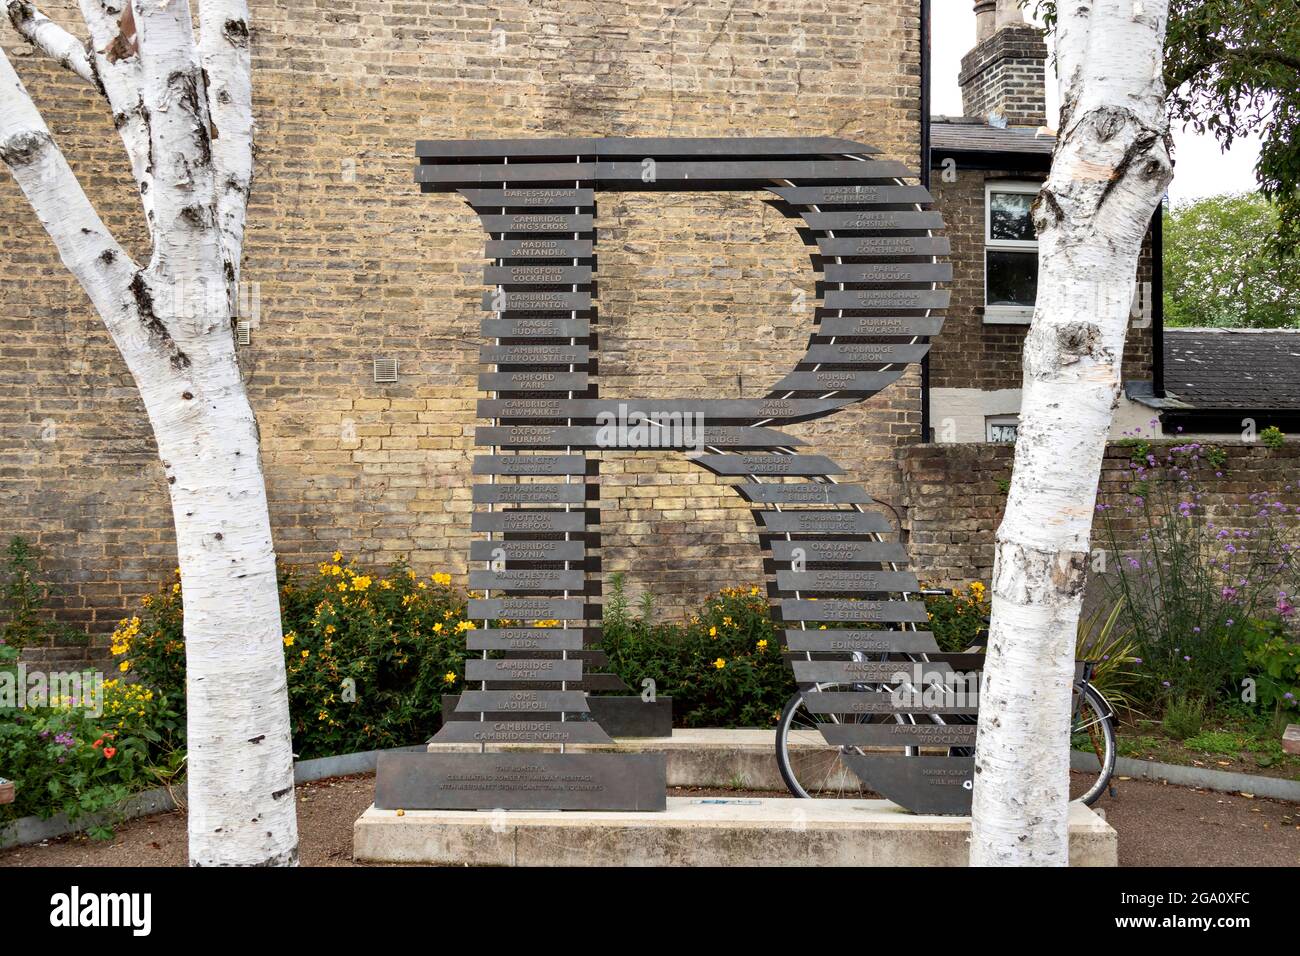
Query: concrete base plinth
[(696, 832), (739, 759)]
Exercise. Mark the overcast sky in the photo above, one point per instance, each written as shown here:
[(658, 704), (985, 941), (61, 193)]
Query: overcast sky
[(1200, 168)]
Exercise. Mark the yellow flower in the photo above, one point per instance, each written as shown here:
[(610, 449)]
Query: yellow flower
[(147, 600), (753, 591), (124, 666), (176, 588), (726, 621), (306, 654), (343, 585), (288, 639), (762, 645), (449, 677), (441, 578), (330, 629), (437, 627), (464, 625), (385, 585), (713, 632), (360, 582), (337, 556), (719, 663)]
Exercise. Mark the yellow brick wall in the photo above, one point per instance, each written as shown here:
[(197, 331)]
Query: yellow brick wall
[(350, 261)]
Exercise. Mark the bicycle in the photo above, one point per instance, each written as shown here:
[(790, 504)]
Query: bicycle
[(810, 768)]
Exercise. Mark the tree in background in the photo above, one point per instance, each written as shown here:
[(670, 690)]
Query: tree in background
[(1232, 68), (183, 108), (1219, 272)]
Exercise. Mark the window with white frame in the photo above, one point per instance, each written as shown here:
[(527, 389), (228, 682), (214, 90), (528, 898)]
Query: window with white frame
[(1010, 252), (1001, 428)]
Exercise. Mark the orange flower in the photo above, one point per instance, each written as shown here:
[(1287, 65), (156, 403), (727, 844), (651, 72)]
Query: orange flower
[(109, 753), (98, 743)]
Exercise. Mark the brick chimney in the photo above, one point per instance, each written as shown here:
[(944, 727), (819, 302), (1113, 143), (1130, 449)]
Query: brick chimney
[(1003, 79)]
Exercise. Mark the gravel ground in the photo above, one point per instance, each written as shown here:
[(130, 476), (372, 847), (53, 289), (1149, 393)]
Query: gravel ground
[(1158, 825)]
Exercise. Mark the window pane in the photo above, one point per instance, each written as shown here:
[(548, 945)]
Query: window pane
[(1011, 278), (1001, 431), (1009, 216)]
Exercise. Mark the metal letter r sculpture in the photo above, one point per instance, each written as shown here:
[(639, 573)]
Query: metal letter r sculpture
[(850, 610)]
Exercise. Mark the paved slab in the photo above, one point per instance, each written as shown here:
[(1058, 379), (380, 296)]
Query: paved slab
[(696, 832)]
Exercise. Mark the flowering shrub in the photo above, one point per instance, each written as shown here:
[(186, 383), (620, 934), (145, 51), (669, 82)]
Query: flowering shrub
[(723, 668), (62, 759), (958, 619), (1196, 582), (367, 655)]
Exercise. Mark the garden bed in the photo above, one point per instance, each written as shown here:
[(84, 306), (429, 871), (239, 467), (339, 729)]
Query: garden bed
[(1232, 746)]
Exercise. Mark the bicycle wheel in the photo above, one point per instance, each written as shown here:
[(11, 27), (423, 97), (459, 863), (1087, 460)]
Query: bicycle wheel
[(1092, 731), (809, 765)]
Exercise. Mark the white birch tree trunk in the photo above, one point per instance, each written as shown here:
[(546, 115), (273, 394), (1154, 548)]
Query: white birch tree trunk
[(172, 321), (1110, 168)]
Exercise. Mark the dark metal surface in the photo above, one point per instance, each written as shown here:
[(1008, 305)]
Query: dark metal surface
[(849, 582), (843, 610), (547, 732), (823, 550), (519, 781), (523, 701), (527, 669), (520, 520), (513, 549), (824, 522), (874, 254), (525, 638), (939, 785), (860, 641)]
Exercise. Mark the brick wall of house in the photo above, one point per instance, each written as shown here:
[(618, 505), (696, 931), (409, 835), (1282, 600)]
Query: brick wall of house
[(351, 261), (956, 497), (971, 354)]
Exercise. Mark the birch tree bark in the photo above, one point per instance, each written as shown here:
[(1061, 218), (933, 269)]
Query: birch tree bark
[(1110, 168), (173, 322)]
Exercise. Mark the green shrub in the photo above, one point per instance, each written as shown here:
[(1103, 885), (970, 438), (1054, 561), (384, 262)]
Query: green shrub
[(1273, 658), (723, 667), (1272, 437), (1184, 717), (958, 619)]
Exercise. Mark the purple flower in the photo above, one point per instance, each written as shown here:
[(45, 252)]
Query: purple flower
[(1186, 658), (1165, 683)]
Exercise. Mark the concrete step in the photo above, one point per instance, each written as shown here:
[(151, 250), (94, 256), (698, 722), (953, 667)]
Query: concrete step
[(696, 832)]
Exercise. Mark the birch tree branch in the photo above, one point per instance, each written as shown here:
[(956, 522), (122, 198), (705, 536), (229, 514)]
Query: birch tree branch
[(85, 245), (224, 48), (51, 39), (180, 133), (120, 77)]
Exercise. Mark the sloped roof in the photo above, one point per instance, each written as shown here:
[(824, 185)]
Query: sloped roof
[(968, 135), (1233, 368)]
